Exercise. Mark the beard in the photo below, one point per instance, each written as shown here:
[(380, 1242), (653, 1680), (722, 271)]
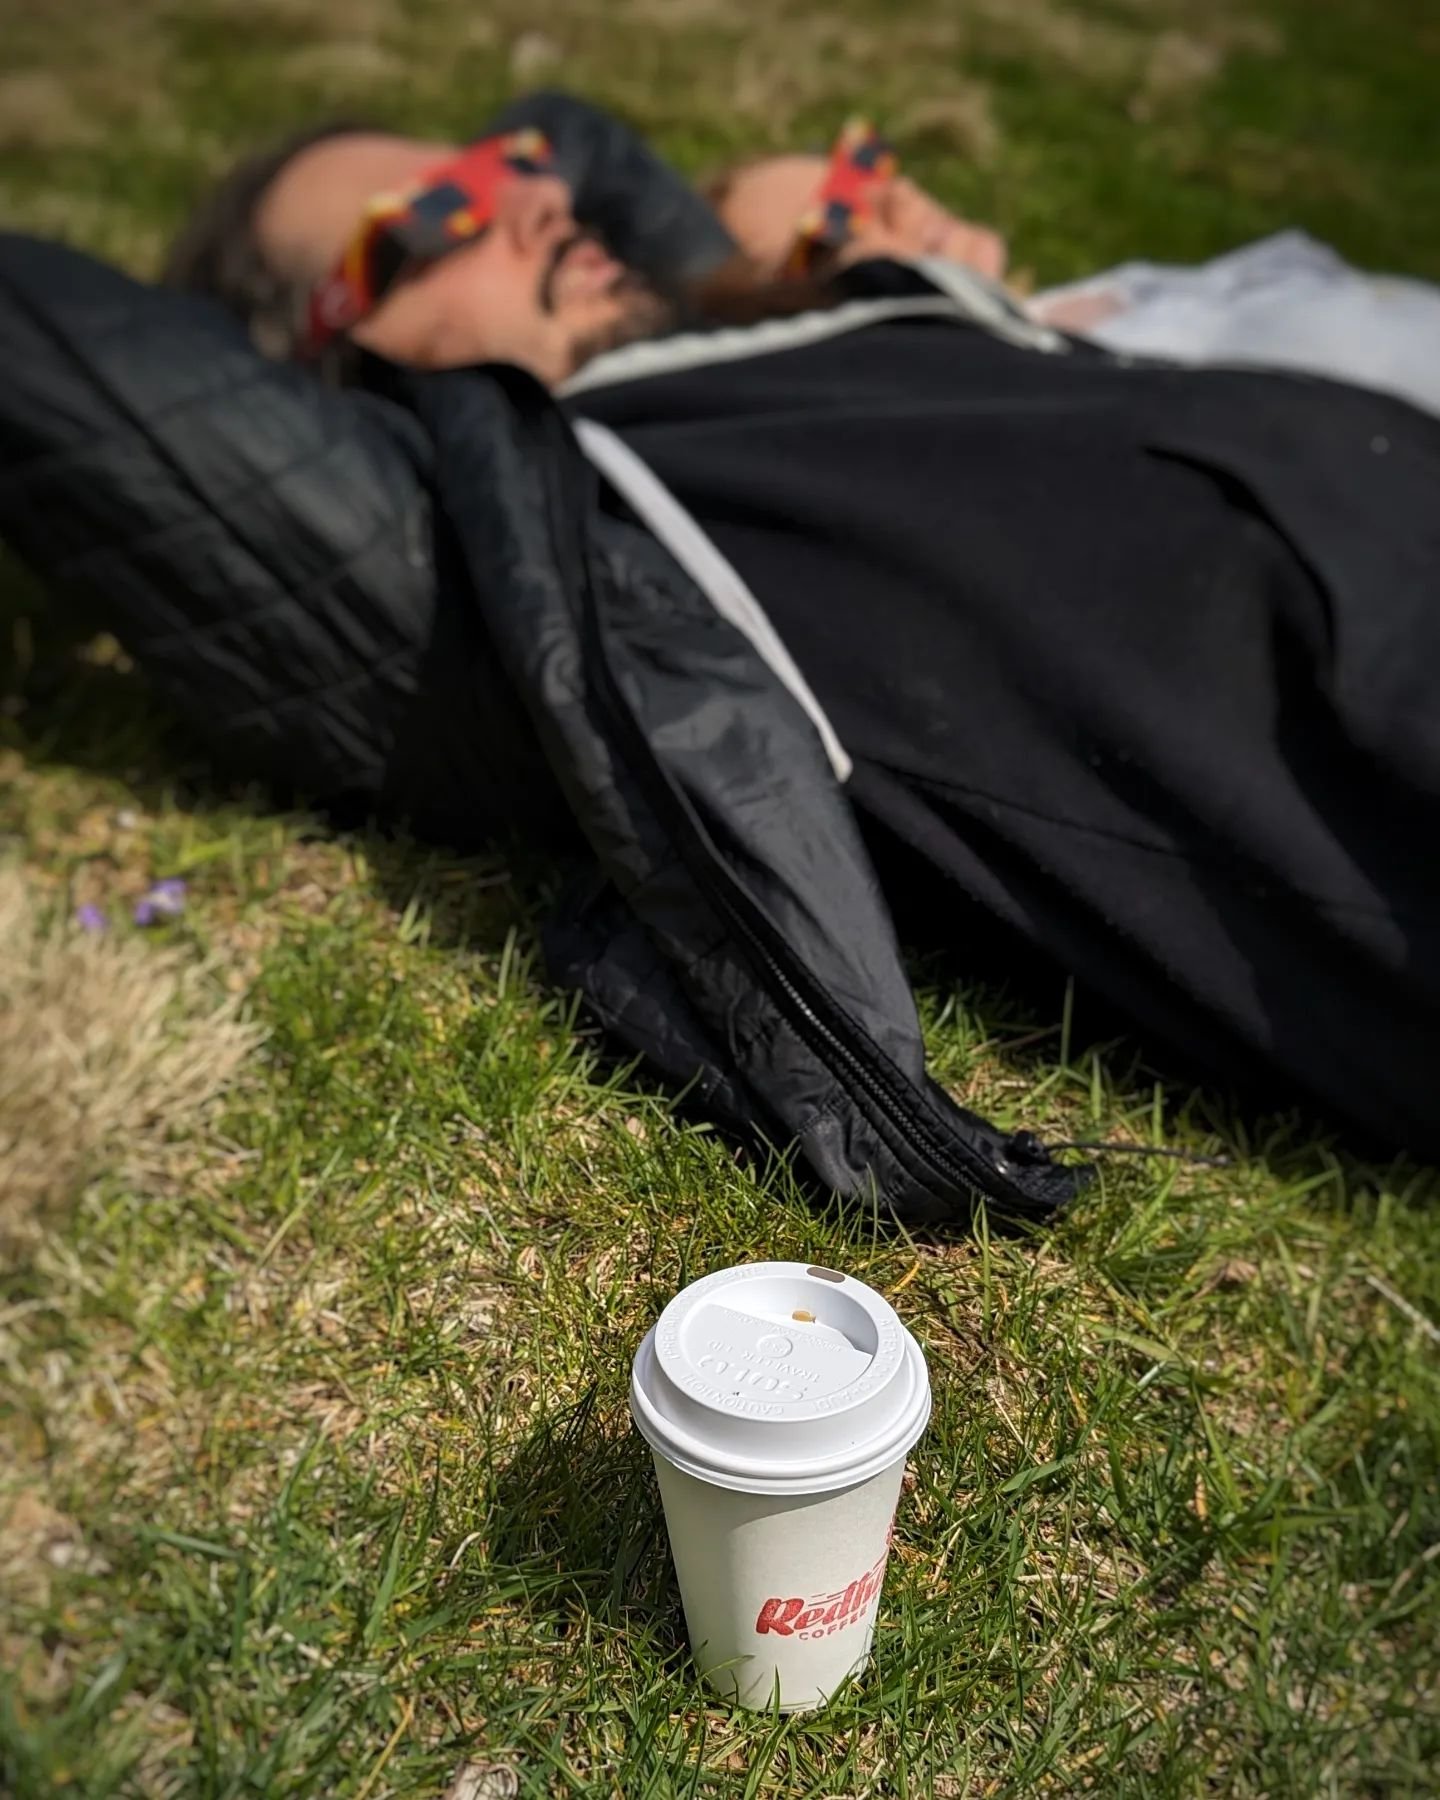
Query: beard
[(641, 310), (643, 314)]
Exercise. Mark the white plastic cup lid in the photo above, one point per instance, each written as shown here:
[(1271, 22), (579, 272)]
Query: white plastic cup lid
[(780, 1378)]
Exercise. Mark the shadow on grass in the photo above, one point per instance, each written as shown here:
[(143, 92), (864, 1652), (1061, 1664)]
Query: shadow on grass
[(574, 1522), (71, 701), (69, 698), (1161, 1111)]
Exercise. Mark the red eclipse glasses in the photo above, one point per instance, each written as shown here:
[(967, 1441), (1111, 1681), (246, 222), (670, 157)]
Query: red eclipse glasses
[(449, 205), (860, 162)]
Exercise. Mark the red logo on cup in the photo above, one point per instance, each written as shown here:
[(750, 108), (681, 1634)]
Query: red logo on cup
[(824, 1613)]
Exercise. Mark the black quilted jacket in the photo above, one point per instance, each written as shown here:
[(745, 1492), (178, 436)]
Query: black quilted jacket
[(405, 600)]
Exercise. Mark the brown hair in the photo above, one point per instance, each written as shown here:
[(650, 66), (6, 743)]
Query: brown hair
[(217, 252), (742, 292)]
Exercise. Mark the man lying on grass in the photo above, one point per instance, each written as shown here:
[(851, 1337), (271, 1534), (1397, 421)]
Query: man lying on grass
[(1127, 670)]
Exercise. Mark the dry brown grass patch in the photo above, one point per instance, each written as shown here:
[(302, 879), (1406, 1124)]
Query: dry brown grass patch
[(39, 111), (109, 1046)]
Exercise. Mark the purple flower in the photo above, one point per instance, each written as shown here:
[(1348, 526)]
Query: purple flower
[(165, 900), (91, 918)]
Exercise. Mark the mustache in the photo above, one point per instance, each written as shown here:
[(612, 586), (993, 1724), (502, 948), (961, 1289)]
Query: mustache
[(626, 280), (552, 268)]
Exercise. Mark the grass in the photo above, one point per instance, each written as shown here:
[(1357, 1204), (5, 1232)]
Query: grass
[(317, 1476), (109, 1049)]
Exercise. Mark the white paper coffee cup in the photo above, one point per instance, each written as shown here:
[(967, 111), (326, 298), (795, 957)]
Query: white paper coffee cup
[(780, 1401)]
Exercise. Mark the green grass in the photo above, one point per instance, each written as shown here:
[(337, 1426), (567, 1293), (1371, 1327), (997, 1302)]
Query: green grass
[(317, 1476)]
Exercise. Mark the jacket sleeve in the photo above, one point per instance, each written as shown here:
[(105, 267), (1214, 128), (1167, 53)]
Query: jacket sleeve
[(648, 214), (261, 546)]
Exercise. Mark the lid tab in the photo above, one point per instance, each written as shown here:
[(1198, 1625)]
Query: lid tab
[(778, 1378)]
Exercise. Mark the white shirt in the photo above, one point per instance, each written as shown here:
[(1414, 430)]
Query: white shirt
[(1287, 302)]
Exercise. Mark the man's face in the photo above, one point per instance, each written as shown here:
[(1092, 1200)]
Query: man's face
[(766, 201), (532, 289)]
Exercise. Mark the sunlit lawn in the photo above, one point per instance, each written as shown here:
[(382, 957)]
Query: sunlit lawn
[(319, 1479)]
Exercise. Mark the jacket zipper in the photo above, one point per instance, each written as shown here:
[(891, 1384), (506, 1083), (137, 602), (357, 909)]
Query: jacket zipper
[(873, 1087)]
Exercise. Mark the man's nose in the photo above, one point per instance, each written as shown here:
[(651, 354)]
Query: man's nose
[(535, 210)]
